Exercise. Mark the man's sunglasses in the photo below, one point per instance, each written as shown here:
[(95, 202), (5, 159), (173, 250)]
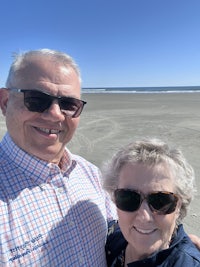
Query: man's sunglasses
[(160, 202), (37, 101)]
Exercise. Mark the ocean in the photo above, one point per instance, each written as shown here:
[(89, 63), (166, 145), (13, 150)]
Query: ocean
[(170, 89)]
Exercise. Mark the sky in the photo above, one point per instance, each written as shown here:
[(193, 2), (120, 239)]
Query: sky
[(116, 43)]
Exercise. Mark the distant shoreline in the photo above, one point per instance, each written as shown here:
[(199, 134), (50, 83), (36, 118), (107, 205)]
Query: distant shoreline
[(161, 89)]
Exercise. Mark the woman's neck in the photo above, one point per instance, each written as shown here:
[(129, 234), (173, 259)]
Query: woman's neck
[(130, 256)]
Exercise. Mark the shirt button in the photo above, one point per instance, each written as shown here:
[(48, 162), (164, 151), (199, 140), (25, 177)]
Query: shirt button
[(81, 259), (42, 187), (61, 190), (71, 223)]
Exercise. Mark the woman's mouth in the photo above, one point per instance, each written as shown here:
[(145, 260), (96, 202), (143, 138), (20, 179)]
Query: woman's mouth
[(144, 231)]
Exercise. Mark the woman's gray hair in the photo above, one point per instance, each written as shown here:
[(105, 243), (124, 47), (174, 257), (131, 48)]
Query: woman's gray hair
[(21, 59), (153, 152)]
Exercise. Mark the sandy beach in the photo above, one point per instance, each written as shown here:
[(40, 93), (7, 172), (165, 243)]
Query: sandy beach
[(111, 120)]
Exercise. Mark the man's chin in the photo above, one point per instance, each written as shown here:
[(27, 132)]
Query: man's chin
[(48, 154)]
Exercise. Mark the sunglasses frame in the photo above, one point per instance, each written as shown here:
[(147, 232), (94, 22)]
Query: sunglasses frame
[(166, 209), (51, 98)]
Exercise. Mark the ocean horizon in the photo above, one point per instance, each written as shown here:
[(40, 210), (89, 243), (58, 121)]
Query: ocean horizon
[(161, 89)]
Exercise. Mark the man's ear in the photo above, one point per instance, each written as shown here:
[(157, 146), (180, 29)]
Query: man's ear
[(4, 95)]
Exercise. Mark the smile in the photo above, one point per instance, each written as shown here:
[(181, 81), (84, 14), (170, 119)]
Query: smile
[(48, 131), (143, 231)]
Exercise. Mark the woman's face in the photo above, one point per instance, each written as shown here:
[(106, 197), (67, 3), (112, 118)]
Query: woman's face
[(147, 232)]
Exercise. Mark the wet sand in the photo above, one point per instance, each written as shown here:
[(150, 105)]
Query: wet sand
[(111, 120)]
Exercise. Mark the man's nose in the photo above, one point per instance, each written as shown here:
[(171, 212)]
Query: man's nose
[(54, 111)]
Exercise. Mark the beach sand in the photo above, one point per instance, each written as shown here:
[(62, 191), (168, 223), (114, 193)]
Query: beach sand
[(109, 121)]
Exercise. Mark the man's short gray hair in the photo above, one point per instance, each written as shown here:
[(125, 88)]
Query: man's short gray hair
[(20, 59)]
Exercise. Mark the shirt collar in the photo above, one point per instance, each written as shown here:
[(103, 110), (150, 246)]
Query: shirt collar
[(38, 170)]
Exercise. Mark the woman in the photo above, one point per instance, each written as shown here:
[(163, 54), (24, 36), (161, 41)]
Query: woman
[(152, 187)]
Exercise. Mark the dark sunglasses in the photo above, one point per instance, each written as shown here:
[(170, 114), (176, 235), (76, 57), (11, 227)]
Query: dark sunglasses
[(37, 101), (160, 202)]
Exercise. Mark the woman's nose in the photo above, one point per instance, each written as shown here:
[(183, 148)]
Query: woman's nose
[(144, 211)]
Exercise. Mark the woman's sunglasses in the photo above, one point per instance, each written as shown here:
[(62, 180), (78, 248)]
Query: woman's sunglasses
[(160, 202), (37, 101)]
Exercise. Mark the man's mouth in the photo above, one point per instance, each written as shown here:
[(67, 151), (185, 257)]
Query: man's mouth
[(48, 131)]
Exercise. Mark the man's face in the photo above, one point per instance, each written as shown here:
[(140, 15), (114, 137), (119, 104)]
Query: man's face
[(45, 134)]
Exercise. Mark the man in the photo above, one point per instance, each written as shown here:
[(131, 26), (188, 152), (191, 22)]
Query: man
[(53, 211)]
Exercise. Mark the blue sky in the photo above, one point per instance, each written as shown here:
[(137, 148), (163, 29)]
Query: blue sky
[(115, 42)]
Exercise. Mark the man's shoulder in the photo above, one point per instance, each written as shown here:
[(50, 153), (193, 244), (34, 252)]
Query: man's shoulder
[(84, 162)]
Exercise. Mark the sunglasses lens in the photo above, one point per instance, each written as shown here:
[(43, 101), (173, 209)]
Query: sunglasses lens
[(162, 202), (127, 200), (36, 101), (71, 106)]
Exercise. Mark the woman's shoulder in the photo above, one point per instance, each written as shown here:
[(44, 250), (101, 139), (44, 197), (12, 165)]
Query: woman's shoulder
[(185, 253)]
